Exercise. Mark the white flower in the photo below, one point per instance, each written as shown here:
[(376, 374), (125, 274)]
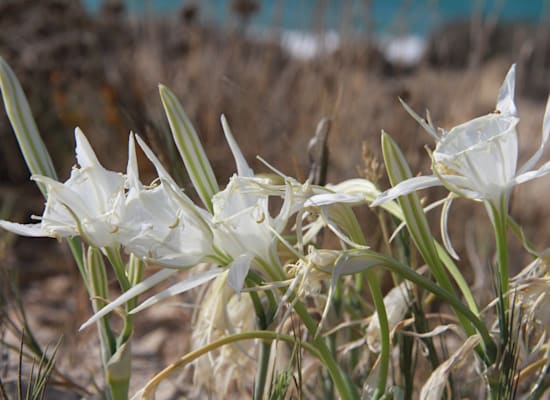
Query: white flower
[(478, 159), (160, 223), (243, 227), (89, 204)]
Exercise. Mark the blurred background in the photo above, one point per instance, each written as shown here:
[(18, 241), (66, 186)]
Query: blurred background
[(275, 68)]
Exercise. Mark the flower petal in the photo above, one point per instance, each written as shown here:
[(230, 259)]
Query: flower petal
[(423, 123), (33, 230), (545, 135), (445, 227), (85, 155), (325, 199), (178, 288), (406, 187), (133, 292), (243, 169), (505, 100), (530, 175), (238, 270), (132, 171)]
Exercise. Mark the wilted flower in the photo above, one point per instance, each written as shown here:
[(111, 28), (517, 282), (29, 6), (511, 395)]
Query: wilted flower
[(223, 312), (89, 204)]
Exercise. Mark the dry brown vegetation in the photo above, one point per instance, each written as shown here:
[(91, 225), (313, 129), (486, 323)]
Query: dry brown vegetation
[(101, 73)]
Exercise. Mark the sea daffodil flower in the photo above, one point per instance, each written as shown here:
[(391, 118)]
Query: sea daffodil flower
[(478, 159), (89, 204), (161, 224)]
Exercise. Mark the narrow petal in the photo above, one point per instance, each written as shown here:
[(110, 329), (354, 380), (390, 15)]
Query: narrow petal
[(179, 288), (242, 167), (423, 123), (133, 292), (132, 171), (33, 230), (84, 153), (406, 187), (530, 175), (530, 164), (161, 171), (445, 227), (238, 270), (505, 100), (326, 199)]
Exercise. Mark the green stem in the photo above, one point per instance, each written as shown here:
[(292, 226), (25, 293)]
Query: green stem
[(378, 300), (261, 374), (118, 267), (344, 386), (135, 274), (499, 219), (264, 321), (449, 297)]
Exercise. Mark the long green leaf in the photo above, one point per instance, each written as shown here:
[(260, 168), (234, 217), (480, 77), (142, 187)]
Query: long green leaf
[(19, 113), (190, 148), (417, 223)]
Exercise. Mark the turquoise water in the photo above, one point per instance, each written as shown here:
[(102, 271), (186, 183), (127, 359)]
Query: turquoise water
[(386, 16)]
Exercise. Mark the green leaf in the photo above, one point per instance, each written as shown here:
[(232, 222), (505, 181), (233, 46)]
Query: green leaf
[(190, 148), (19, 113)]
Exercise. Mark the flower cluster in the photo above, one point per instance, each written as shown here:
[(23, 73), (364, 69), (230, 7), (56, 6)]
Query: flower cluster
[(264, 261), (107, 209)]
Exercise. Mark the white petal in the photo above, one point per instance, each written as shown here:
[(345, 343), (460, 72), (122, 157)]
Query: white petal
[(33, 230), (326, 199), (242, 167), (133, 292), (161, 171), (445, 227), (530, 175), (406, 187), (427, 127), (505, 100), (132, 171), (178, 288), (84, 153), (238, 270), (545, 135)]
